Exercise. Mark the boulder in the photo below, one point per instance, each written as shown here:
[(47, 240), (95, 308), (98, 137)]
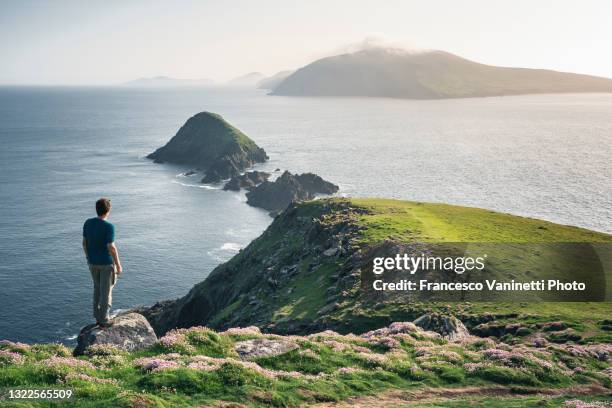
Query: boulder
[(276, 196), (449, 327), (129, 332), (251, 349)]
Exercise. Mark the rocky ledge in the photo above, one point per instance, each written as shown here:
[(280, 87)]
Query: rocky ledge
[(277, 195), (210, 143)]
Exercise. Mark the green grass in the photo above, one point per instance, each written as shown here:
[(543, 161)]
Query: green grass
[(426, 222), (324, 367)]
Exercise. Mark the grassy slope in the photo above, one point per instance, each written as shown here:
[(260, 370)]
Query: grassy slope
[(199, 366), (426, 222)]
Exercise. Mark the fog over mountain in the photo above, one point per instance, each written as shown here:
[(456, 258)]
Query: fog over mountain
[(273, 81), (427, 74), (247, 80)]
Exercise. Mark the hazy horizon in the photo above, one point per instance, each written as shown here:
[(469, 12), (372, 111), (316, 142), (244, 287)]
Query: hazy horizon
[(67, 42)]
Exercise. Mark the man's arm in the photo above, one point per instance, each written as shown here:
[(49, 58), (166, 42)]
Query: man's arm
[(85, 248), (112, 249)]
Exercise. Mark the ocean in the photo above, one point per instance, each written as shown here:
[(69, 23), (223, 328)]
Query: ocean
[(543, 156)]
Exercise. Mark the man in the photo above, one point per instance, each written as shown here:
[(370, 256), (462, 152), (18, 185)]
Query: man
[(102, 258)]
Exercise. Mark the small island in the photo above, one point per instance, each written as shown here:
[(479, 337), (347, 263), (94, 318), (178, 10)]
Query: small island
[(288, 188), (208, 142)]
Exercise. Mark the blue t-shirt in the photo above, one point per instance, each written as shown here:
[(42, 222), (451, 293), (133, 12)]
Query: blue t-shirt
[(98, 233)]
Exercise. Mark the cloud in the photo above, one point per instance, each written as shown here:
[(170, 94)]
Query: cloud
[(378, 41)]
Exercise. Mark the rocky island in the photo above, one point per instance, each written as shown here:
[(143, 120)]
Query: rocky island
[(208, 142), (277, 195)]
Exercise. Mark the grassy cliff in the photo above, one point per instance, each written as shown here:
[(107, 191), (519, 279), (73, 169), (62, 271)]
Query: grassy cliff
[(309, 270)]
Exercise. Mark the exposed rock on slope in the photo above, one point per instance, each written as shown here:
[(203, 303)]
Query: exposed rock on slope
[(426, 75), (207, 141), (129, 332), (449, 327), (277, 195), (248, 180)]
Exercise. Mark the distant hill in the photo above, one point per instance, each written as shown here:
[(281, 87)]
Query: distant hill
[(167, 81), (426, 75), (273, 81), (247, 80)]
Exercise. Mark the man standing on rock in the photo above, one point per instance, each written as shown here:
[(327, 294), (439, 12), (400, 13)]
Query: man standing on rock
[(102, 258)]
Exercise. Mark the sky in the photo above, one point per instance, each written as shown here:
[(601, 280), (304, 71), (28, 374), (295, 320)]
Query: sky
[(76, 42)]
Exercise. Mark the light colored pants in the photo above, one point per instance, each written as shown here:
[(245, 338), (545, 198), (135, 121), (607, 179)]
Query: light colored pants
[(104, 279)]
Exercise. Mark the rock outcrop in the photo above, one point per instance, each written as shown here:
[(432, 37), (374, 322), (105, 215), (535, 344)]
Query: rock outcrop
[(248, 180), (207, 141), (129, 332), (449, 327), (277, 195), (255, 348)]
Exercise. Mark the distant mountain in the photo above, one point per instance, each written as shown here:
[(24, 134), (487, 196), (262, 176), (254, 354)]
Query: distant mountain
[(426, 75), (248, 80), (273, 81), (167, 81)]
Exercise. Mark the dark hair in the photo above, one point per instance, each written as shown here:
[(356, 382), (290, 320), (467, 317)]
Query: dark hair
[(103, 206)]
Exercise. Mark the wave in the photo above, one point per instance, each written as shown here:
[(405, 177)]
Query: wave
[(225, 252), (204, 186), (231, 246)]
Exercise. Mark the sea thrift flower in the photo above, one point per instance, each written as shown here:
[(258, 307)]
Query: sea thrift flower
[(347, 370), (336, 345), (10, 357), (155, 364), (14, 346), (583, 404), (360, 349), (57, 361), (89, 379), (372, 357)]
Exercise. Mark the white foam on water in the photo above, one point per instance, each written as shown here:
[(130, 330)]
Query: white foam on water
[(204, 186), (231, 246)]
